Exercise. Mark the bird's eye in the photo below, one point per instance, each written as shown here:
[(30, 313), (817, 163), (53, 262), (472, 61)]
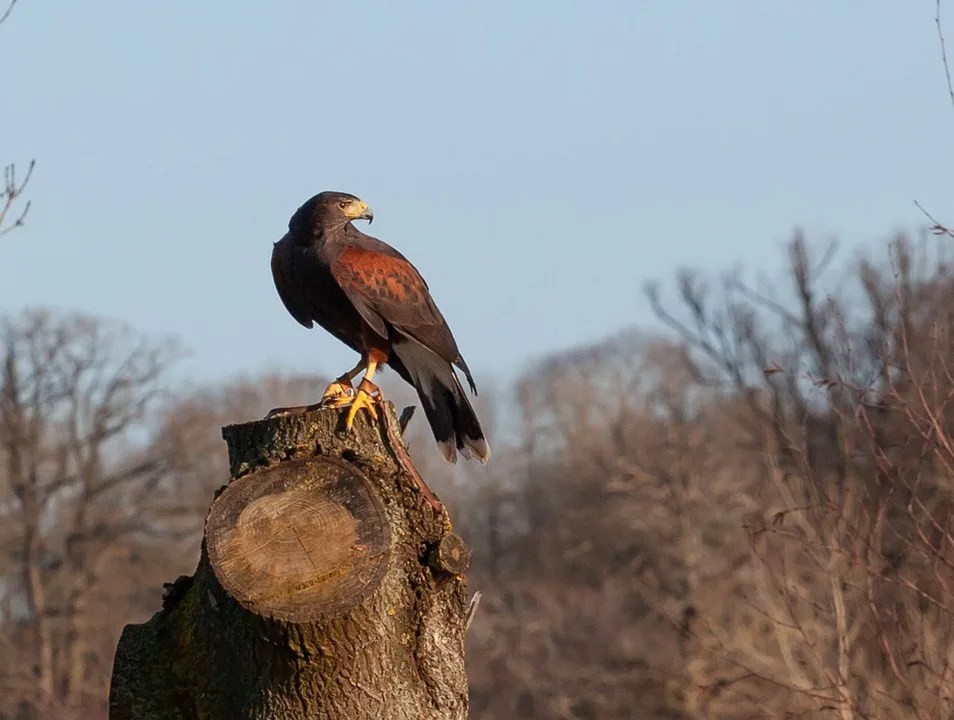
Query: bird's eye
[(343, 204)]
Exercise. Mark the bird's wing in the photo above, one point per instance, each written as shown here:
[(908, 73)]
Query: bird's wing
[(388, 289), (290, 288)]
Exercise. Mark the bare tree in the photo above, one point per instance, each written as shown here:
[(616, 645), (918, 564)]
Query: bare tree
[(81, 498), (752, 523), (846, 607), (598, 546)]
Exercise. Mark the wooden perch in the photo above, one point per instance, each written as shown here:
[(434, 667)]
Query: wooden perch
[(327, 587)]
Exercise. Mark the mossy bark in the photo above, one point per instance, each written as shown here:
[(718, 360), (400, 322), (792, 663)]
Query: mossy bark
[(327, 588)]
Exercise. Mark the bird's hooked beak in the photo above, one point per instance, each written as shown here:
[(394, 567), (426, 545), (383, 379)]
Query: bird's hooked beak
[(359, 210)]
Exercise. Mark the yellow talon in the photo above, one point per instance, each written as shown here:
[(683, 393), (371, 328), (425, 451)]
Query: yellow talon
[(361, 400), (337, 395)]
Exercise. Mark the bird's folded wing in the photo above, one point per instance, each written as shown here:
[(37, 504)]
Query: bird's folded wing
[(389, 289)]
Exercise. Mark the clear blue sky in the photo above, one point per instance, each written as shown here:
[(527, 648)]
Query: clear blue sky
[(538, 161)]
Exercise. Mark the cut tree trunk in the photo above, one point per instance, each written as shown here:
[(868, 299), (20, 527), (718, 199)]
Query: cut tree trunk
[(327, 587)]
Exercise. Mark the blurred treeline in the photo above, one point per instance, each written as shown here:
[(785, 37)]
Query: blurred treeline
[(744, 517)]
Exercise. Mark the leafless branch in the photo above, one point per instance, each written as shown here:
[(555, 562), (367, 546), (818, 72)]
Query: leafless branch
[(936, 227), (7, 12), (472, 610), (11, 193), (940, 37)]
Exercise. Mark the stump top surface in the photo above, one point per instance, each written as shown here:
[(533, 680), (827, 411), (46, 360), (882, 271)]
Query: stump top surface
[(299, 541)]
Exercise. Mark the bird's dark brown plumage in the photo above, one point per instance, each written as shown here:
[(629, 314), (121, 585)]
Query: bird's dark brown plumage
[(370, 297)]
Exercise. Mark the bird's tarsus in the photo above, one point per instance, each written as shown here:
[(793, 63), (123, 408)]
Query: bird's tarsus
[(339, 394)]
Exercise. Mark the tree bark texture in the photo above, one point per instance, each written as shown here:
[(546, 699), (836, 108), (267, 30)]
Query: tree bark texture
[(327, 588)]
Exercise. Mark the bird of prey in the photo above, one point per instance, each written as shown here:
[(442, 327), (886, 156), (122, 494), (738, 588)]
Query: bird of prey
[(370, 297)]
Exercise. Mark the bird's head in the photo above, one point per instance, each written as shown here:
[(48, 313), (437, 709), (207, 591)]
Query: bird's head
[(329, 211)]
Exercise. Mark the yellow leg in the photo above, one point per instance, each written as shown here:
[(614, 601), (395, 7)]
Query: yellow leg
[(363, 398), (340, 392)]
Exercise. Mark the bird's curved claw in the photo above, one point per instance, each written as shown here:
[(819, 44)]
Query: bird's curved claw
[(365, 400), (338, 394)]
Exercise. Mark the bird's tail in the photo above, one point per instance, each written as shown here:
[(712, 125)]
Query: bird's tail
[(448, 411)]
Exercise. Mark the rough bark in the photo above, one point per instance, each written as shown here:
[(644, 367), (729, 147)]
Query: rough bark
[(327, 588)]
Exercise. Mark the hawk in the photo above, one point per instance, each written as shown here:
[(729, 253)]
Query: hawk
[(371, 298)]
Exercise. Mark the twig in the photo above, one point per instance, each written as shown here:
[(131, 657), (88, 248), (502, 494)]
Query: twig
[(9, 10), (472, 610), (940, 35), (11, 191), (937, 228)]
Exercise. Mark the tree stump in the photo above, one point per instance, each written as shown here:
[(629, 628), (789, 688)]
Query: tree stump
[(327, 587)]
